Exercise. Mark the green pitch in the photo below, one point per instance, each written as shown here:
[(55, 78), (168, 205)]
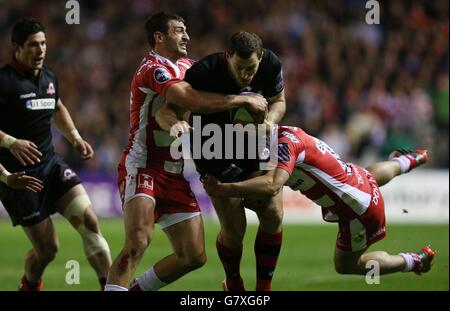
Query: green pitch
[(305, 262)]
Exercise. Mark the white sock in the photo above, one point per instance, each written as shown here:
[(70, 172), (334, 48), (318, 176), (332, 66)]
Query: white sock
[(409, 261), (115, 288), (149, 281), (405, 163)]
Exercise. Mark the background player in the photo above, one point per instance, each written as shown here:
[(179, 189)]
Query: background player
[(29, 98), (245, 67), (151, 182), (347, 193)]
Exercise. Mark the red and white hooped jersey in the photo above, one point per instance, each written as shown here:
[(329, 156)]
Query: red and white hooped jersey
[(149, 145), (342, 189)]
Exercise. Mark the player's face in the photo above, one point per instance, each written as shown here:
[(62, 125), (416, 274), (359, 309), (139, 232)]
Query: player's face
[(177, 38), (243, 69), (32, 53)]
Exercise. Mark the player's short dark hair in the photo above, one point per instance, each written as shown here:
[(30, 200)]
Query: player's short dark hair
[(159, 22), (23, 28), (244, 44)]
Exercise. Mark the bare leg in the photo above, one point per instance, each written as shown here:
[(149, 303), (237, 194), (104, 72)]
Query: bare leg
[(187, 239), (84, 220), (232, 221), (384, 171), (347, 262), (45, 246), (139, 224)]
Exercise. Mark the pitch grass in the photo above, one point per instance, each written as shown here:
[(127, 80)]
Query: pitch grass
[(305, 262)]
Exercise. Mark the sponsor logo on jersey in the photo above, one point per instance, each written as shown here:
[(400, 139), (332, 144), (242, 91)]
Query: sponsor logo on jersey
[(290, 136), (68, 174), (283, 152), (161, 75), (145, 181), (40, 104), (50, 89), (29, 95)]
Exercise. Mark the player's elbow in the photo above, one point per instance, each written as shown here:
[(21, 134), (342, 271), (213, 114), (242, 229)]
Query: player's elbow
[(272, 188)]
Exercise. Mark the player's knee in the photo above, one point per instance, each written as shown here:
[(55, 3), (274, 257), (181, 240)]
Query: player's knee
[(232, 238), (80, 215), (343, 269), (194, 261), (271, 222), (137, 241), (347, 267), (48, 252)]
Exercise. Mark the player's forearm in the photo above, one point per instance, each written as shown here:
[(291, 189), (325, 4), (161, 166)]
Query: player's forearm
[(166, 117), (203, 102), (64, 123), (184, 96), (277, 109), (262, 186)]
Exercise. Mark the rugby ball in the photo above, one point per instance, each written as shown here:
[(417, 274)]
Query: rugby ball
[(243, 116)]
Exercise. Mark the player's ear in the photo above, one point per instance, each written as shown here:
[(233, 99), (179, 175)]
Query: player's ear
[(227, 55), (159, 37), (15, 47)]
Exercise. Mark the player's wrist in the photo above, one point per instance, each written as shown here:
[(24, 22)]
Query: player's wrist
[(75, 135), (4, 176), (7, 141), (236, 101)]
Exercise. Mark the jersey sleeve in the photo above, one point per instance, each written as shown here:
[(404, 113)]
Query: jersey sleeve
[(56, 89), (274, 83), (289, 147), (159, 79)]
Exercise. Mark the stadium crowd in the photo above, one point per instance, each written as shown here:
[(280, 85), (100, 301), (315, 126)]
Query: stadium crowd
[(365, 89)]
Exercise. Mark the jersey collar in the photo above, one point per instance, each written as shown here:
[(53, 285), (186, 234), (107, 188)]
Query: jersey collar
[(20, 69), (167, 62)]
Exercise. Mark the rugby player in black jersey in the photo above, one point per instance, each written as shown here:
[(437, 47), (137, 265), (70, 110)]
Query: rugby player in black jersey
[(245, 67), (29, 99)]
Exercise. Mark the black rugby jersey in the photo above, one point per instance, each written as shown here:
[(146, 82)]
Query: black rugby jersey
[(211, 74), (27, 104)]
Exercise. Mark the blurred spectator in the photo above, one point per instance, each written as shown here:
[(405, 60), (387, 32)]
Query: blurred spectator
[(367, 88)]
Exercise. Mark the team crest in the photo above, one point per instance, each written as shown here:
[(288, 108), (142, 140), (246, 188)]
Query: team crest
[(50, 89), (161, 75)]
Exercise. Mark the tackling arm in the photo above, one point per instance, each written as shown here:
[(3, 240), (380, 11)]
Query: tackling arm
[(266, 185), (183, 95)]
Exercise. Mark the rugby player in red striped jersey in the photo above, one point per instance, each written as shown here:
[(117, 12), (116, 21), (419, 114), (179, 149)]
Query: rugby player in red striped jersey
[(151, 183), (347, 193)]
